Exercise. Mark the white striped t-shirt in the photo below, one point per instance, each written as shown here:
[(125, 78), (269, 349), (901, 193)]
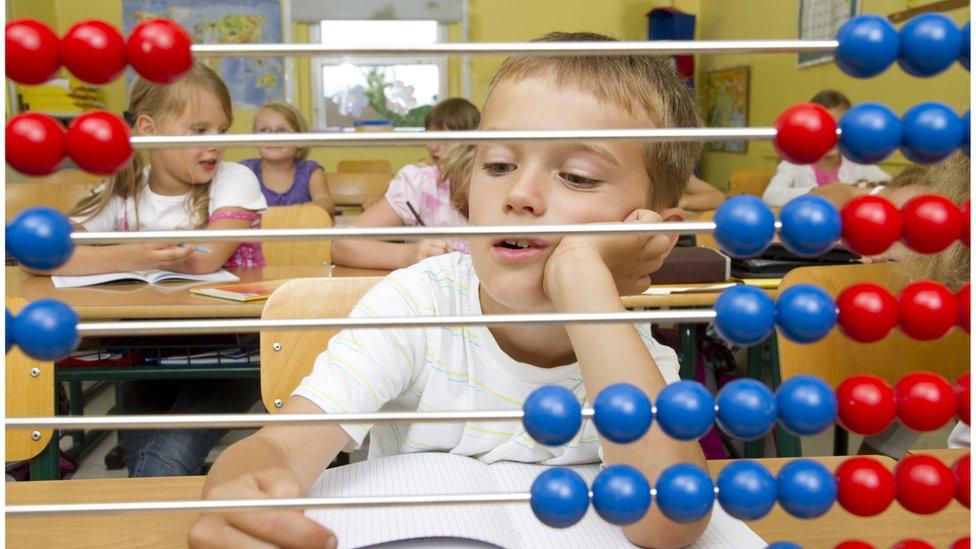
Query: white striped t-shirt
[(444, 369)]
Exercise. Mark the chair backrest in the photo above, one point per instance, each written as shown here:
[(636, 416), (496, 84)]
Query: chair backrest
[(61, 195), (361, 166), (837, 357), (352, 189), (288, 355), (27, 396), (706, 240), (749, 181), (297, 252)]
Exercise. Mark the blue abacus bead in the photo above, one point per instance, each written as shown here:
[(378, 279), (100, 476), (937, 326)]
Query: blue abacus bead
[(930, 43), (552, 415), (559, 497), (806, 489), (784, 545), (930, 133), (965, 133), (869, 133), (810, 225), (867, 46), (685, 410), (806, 405), (622, 413), (805, 313), (621, 494), (9, 329), (744, 315), (746, 490), (746, 409), (46, 330), (744, 226), (964, 50), (40, 238), (685, 493)]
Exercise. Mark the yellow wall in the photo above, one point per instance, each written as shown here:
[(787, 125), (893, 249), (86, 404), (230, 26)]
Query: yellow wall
[(776, 83)]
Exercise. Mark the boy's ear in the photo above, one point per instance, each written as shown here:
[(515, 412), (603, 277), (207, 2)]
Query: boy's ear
[(144, 125), (673, 215)]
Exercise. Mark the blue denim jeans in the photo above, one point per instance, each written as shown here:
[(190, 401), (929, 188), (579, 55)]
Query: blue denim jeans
[(178, 452)]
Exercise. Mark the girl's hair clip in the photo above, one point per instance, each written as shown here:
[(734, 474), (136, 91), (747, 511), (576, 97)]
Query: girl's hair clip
[(130, 119)]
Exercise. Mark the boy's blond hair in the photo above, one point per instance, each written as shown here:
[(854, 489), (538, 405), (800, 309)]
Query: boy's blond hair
[(295, 121), (647, 87)]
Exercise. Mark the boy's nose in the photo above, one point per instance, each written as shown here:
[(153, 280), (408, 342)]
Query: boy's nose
[(526, 194)]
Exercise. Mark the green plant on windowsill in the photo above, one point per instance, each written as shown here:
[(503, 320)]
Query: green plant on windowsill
[(376, 85)]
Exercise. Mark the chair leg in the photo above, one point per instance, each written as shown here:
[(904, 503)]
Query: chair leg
[(754, 370), (688, 345), (76, 405), (44, 466), (841, 441), (787, 444)]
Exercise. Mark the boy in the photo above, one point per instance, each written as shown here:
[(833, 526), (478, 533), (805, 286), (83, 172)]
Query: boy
[(481, 368)]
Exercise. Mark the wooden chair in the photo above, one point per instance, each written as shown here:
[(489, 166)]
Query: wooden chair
[(287, 356), (706, 239), (60, 195), (353, 189), (30, 393), (837, 357), (749, 181), (297, 252), (364, 166)]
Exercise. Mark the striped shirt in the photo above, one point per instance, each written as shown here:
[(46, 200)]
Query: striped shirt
[(444, 369)]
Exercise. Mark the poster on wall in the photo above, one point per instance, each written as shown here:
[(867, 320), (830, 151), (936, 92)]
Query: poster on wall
[(251, 81), (727, 105), (820, 20)]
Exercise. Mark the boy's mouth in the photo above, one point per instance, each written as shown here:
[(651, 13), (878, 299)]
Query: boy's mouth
[(516, 249)]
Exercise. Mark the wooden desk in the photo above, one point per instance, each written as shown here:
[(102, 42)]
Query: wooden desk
[(156, 301), (945, 455), (152, 530)]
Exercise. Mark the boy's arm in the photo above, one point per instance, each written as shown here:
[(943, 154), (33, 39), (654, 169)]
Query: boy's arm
[(615, 353)]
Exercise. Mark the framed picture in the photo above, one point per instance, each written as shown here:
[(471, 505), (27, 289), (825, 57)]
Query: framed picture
[(727, 105), (820, 20)]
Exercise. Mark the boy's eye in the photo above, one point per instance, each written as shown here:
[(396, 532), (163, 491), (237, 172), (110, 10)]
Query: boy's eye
[(498, 168), (222, 131), (579, 180)]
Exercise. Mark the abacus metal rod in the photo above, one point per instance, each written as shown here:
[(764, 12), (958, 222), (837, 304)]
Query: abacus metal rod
[(248, 504), (670, 47), (423, 138), (254, 421), (266, 235), (242, 326)]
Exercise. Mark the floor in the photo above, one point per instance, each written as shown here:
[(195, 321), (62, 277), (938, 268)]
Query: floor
[(93, 465)]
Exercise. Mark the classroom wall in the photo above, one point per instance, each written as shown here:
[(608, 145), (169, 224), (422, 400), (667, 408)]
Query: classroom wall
[(776, 83)]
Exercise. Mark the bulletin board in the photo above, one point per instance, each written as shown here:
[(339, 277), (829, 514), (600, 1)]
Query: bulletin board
[(819, 20)]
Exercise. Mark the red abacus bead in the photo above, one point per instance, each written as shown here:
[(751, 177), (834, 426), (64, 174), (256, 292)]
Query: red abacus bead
[(867, 312), (159, 50), (853, 544), (932, 223), (98, 142), (962, 398), (924, 484), (804, 133), (870, 224), (925, 401), (912, 544), (964, 211), (32, 52), (927, 310), (93, 51), (961, 543), (864, 487), (960, 469), (962, 302), (866, 404), (35, 144)]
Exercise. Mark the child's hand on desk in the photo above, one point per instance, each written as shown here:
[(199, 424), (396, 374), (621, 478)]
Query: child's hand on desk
[(630, 258), (429, 247), (286, 528), (157, 256)]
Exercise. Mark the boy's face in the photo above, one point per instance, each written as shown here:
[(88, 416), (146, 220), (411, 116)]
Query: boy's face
[(547, 183)]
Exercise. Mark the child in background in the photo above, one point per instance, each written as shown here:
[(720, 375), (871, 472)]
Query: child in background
[(793, 180), (482, 368), (185, 188), (286, 175), (700, 196), (431, 194)]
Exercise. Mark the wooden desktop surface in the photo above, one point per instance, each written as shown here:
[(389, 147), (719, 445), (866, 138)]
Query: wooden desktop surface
[(159, 530)]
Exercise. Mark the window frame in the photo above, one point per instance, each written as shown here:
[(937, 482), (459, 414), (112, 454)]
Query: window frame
[(317, 64)]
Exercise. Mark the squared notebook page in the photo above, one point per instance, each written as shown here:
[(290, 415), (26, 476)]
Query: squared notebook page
[(411, 474), (723, 532)]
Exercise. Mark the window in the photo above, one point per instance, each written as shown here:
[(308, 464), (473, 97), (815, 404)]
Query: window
[(400, 88)]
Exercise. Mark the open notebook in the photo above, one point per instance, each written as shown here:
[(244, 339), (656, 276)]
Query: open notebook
[(512, 526), (152, 277)]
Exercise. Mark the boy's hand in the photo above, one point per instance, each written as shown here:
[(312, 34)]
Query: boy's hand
[(630, 258), (285, 528)]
